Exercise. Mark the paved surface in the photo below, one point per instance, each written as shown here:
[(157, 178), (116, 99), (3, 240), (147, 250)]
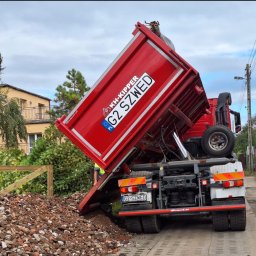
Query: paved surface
[(194, 236)]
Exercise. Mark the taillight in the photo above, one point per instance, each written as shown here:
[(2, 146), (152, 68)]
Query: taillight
[(239, 183), (204, 182), (133, 189), (232, 183), (124, 190), (226, 184), (155, 185)]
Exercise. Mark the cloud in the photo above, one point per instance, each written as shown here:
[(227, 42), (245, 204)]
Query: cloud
[(41, 41)]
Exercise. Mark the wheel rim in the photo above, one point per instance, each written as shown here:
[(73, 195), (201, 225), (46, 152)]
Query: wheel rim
[(218, 141)]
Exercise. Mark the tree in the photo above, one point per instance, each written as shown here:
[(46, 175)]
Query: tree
[(71, 166), (242, 139), (69, 94), (12, 123), (1, 66)]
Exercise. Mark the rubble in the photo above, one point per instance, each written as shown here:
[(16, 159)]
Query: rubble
[(35, 225)]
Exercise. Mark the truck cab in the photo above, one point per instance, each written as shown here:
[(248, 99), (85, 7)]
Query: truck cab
[(213, 135)]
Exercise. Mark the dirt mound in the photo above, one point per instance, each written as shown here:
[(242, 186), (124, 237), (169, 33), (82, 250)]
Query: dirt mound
[(35, 225)]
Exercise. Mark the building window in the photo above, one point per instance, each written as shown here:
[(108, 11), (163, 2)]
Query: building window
[(41, 109), (23, 103), (32, 138)]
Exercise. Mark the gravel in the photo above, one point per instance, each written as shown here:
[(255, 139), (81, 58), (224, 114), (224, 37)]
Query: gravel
[(34, 225)]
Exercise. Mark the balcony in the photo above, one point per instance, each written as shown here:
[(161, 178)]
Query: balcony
[(36, 114)]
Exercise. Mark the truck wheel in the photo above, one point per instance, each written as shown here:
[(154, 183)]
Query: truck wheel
[(238, 220), (218, 141), (133, 224), (151, 224), (220, 221)]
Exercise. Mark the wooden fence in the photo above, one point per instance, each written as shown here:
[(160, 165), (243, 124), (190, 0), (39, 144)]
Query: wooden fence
[(36, 171)]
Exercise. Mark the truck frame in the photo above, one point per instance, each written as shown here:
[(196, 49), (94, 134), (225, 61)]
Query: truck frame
[(209, 186), (213, 134)]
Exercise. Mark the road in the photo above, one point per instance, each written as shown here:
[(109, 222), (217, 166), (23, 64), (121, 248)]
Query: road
[(193, 236)]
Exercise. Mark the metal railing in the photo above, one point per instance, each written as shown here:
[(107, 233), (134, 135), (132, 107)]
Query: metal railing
[(36, 113)]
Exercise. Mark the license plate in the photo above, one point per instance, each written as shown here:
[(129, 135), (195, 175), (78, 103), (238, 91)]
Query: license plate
[(126, 100), (134, 198)]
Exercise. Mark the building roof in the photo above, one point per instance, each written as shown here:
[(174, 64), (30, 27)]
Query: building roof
[(21, 90)]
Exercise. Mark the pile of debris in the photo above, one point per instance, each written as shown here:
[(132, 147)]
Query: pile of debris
[(35, 225)]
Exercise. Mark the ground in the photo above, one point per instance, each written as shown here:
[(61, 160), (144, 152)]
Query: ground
[(189, 236), (34, 225)]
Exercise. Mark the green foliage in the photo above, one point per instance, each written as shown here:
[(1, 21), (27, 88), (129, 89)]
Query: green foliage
[(14, 157), (52, 134), (69, 93), (242, 139), (249, 173), (1, 66), (11, 156), (116, 207), (12, 123), (70, 166), (49, 139)]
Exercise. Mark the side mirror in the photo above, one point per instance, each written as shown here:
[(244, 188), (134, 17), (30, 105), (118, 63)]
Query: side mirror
[(238, 128)]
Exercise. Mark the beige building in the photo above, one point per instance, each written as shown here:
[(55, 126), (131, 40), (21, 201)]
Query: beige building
[(34, 109)]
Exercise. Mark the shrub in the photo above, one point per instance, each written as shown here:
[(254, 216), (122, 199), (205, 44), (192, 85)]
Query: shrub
[(12, 157), (71, 167)]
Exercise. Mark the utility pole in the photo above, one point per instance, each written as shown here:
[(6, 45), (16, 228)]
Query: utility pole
[(248, 86)]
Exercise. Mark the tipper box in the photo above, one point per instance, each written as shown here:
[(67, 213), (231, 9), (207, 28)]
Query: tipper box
[(148, 89)]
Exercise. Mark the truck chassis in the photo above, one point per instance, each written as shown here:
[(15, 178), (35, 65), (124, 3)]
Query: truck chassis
[(183, 188)]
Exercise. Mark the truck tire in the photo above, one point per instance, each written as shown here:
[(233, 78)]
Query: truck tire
[(220, 221), (238, 220), (151, 224), (218, 141), (133, 224)]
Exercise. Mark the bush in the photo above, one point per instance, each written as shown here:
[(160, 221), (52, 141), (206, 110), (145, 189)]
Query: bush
[(12, 157), (116, 207), (71, 167)]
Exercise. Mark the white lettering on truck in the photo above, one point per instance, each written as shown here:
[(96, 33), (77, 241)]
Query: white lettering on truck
[(121, 94), (127, 99)]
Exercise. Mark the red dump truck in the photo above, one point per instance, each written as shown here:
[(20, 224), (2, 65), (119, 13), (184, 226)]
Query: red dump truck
[(165, 147)]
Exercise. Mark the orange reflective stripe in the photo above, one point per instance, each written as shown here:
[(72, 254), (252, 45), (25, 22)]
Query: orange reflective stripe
[(132, 181), (228, 176)]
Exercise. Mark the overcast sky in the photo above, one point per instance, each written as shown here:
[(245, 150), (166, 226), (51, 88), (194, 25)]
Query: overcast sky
[(41, 41)]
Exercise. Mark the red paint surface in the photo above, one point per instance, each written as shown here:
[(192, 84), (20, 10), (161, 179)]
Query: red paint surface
[(185, 93), (184, 210)]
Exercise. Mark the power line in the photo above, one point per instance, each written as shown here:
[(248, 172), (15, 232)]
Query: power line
[(253, 65), (253, 60), (252, 52), (242, 102)]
